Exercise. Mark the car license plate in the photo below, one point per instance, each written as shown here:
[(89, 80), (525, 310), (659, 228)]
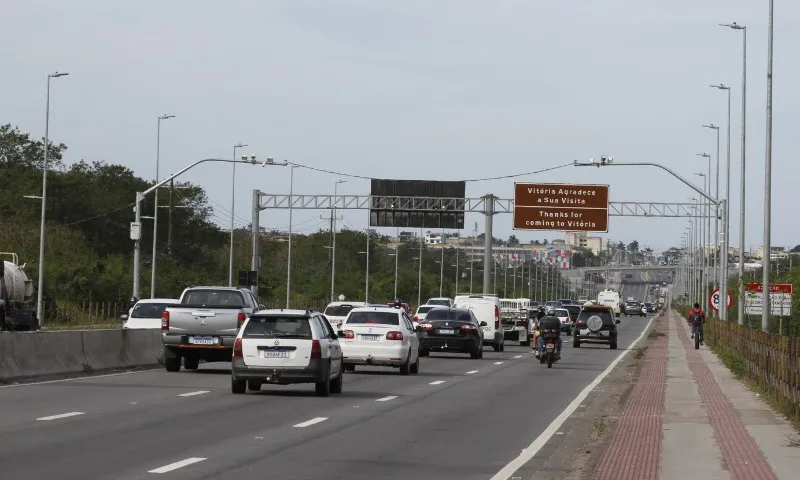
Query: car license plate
[(370, 338), (275, 354), (550, 346), (447, 331), (202, 340)]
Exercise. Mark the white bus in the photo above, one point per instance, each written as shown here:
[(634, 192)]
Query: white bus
[(609, 298)]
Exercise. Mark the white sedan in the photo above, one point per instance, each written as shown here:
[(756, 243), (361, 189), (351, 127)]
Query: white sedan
[(380, 336), (566, 321)]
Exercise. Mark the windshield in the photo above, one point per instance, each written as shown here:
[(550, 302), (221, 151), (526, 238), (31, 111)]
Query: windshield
[(338, 310), (277, 327), (438, 301), (214, 298), (562, 312), (373, 318), (424, 309), (573, 310), (148, 310), (451, 314)]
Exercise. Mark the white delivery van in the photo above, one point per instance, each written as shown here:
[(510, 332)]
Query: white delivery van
[(609, 298), (486, 308)]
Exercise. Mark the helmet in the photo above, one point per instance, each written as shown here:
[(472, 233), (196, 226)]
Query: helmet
[(549, 311), (397, 303)]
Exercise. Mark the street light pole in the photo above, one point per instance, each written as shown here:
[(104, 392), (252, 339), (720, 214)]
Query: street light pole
[(40, 290), (289, 253), (743, 29), (716, 218), (333, 234), (766, 309), (233, 204), (726, 231), (155, 213), (441, 267)]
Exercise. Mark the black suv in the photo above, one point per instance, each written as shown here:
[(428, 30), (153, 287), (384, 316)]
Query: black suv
[(596, 324)]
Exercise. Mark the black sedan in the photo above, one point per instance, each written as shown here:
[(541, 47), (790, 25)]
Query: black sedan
[(451, 330)]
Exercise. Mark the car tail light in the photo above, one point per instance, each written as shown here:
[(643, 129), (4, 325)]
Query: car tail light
[(237, 348), (316, 349), (394, 336), (240, 319), (416, 318), (165, 320), (522, 323), (427, 326), (496, 318), (349, 334), (468, 327)]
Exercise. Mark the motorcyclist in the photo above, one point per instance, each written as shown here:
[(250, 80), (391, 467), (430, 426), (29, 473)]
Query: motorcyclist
[(547, 312), (397, 303)]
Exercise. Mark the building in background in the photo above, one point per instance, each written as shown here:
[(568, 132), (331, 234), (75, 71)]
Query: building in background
[(583, 240)]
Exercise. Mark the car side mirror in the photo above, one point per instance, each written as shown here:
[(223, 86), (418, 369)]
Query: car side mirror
[(340, 333), (124, 316), (618, 320), (419, 329), (483, 324)]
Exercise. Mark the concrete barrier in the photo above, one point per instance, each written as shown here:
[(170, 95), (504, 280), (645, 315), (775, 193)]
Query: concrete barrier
[(55, 354)]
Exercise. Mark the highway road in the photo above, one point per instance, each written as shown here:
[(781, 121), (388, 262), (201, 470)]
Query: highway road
[(458, 418)]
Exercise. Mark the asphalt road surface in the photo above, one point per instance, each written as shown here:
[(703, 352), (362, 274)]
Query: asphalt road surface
[(458, 418)]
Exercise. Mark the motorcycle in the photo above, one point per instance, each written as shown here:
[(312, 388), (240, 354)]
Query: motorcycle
[(550, 331)]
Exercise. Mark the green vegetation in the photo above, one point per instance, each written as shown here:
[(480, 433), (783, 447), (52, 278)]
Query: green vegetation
[(654, 334), (89, 251)]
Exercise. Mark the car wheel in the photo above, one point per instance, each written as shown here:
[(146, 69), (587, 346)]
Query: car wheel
[(423, 352), (569, 332), (172, 364), (253, 385), (405, 369), (576, 343), (496, 347), (191, 363), (336, 383), (502, 346), (415, 366), (238, 386), (613, 345), (348, 367), (476, 353), (323, 388)]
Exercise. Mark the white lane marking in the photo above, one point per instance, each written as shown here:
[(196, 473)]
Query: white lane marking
[(192, 394), (386, 399), (471, 372), (517, 356), (176, 465), (311, 422), (498, 363), (61, 415), (437, 382), (531, 450)]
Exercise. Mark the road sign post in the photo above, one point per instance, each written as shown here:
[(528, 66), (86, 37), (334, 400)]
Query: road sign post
[(715, 298), (558, 206)]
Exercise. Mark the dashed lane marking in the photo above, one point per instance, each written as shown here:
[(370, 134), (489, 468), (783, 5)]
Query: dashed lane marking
[(176, 465), (192, 394), (437, 382), (499, 363), (61, 415), (471, 372), (313, 421), (386, 399)]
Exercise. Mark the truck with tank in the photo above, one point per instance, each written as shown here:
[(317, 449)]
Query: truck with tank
[(17, 303)]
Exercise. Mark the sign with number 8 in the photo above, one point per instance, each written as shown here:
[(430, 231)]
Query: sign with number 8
[(714, 299)]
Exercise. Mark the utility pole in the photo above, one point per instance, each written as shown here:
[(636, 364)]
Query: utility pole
[(169, 218), (256, 234)]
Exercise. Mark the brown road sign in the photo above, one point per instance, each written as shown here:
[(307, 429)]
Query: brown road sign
[(557, 206)]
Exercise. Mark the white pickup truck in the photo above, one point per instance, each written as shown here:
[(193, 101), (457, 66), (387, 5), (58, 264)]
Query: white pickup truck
[(203, 326)]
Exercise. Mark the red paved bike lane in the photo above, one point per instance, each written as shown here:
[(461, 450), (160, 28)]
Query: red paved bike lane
[(634, 448), (742, 456)]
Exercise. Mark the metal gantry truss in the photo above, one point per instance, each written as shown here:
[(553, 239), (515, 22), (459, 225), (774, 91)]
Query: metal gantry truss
[(455, 205)]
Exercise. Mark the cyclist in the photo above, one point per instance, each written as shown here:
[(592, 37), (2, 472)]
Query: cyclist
[(697, 317)]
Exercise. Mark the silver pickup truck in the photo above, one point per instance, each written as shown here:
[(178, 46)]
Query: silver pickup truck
[(203, 326)]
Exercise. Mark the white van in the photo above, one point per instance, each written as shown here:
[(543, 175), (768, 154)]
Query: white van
[(486, 308), (336, 312)]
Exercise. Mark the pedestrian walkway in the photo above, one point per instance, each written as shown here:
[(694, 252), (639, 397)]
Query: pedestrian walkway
[(687, 417)]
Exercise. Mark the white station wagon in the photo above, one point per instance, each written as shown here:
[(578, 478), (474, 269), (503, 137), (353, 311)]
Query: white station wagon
[(285, 347), (380, 336)]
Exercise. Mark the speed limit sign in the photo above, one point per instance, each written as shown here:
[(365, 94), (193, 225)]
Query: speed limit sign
[(714, 300)]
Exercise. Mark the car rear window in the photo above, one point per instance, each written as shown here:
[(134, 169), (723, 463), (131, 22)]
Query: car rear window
[(453, 315), (604, 314), (338, 310), (374, 318), (573, 310), (439, 302), (214, 298), (148, 310), (277, 327), (425, 309), (562, 312)]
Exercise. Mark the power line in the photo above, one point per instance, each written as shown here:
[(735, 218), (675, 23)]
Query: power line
[(472, 180)]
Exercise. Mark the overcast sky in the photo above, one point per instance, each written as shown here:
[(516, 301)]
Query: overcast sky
[(412, 89)]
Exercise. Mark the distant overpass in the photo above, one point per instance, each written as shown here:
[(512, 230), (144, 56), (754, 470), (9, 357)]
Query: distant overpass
[(628, 267)]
